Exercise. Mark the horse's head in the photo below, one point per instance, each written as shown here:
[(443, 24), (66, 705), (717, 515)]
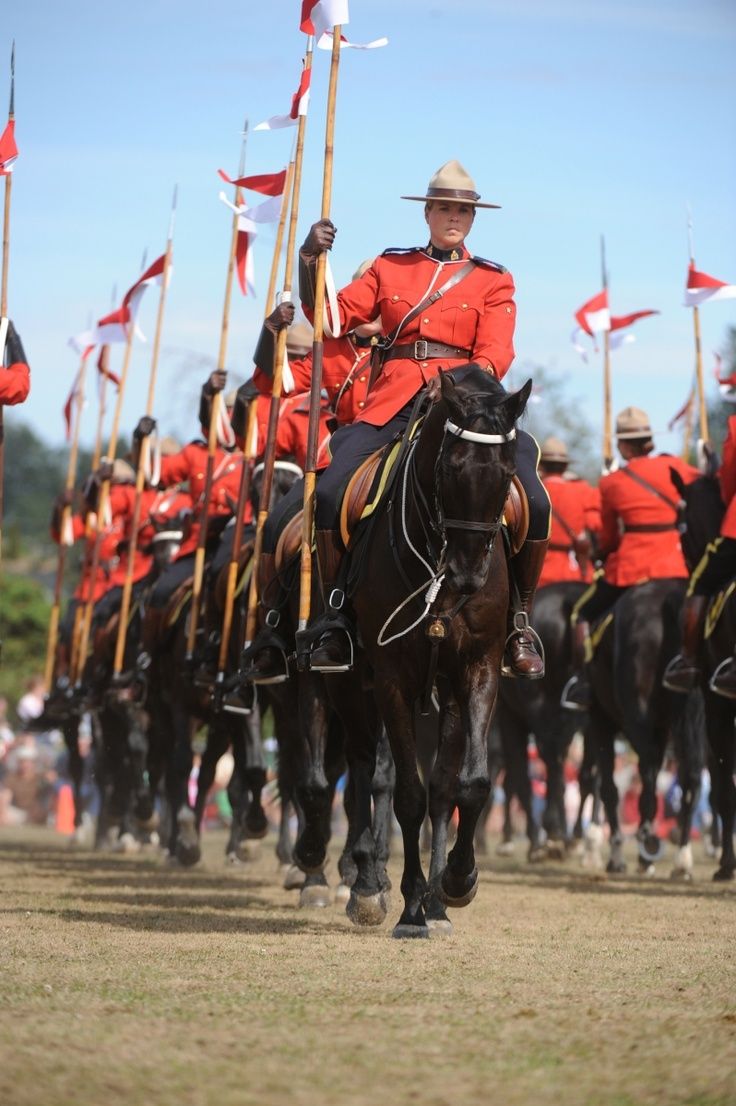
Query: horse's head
[(476, 418), (700, 514), (285, 475), (168, 535)]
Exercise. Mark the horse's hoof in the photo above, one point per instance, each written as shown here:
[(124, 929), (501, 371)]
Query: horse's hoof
[(681, 875), (366, 910), (457, 901), (171, 860), (249, 849), (651, 848), (315, 896), (232, 860), (682, 868), (724, 875), (342, 894), (402, 931), (616, 867), (127, 845), (646, 869), (151, 842), (710, 850), (439, 927), (536, 854), (556, 849), (293, 878), (258, 828), (188, 855), (505, 848)]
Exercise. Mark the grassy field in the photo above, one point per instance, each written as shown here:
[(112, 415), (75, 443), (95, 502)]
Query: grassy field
[(125, 982)]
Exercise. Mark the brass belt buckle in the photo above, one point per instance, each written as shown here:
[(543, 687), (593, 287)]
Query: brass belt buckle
[(421, 349)]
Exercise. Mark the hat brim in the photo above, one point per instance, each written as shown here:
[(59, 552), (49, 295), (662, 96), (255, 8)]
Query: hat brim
[(634, 434), (447, 200)]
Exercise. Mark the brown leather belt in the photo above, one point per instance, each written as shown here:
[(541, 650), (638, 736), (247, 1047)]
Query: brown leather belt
[(651, 528), (426, 351)]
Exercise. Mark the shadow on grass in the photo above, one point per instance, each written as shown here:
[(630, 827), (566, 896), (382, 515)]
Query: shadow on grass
[(562, 879), (178, 920)]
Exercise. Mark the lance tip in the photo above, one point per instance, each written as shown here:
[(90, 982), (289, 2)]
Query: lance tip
[(144, 258)]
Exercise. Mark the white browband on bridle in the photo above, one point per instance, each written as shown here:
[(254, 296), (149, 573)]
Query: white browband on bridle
[(168, 535), (282, 466), (483, 439)]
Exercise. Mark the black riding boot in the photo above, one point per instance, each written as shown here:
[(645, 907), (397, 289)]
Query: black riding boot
[(265, 660), (683, 672), (522, 658), (333, 651), (576, 694)]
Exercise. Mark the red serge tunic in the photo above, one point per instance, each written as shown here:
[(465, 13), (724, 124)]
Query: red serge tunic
[(727, 476), (108, 559), (478, 315), (578, 505), (293, 424), (633, 557), (156, 507), (345, 375), (190, 465), (15, 384)]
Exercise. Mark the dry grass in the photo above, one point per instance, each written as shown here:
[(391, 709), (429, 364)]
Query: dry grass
[(123, 982)]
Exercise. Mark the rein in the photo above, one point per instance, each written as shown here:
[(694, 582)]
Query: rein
[(439, 524)]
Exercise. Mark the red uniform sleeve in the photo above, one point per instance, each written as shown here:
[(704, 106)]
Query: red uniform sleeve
[(357, 302), (727, 473), (609, 536), (15, 384), (175, 469), (494, 339), (592, 509)]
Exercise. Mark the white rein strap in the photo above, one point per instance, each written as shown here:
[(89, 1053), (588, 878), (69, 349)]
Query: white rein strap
[(481, 439)]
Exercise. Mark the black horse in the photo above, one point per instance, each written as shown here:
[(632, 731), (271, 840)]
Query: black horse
[(432, 601), (702, 513), (628, 698)]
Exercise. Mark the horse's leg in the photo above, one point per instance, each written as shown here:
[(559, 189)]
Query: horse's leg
[(217, 743), (313, 789), (184, 842), (688, 732), (515, 742), (286, 737), (70, 729), (588, 774), (384, 781), (603, 734), (459, 881), (650, 747), (553, 744), (719, 714), (256, 822), (410, 802), (442, 797)]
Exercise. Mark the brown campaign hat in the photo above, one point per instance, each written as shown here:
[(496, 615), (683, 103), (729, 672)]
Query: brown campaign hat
[(299, 337), (362, 268), (554, 450), (632, 422), (169, 446), (452, 182)]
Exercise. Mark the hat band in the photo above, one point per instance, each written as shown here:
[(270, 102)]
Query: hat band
[(462, 194), (640, 432)]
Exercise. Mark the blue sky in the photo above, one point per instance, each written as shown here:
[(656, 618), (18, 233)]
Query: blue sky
[(579, 118)]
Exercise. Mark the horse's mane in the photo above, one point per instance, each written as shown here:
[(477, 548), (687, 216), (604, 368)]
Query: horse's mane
[(477, 385)]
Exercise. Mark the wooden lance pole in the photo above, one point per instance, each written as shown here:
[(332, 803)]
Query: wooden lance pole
[(102, 502), (214, 421), (702, 406), (250, 447), (269, 456), (315, 398), (66, 517), (607, 410), (4, 285), (143, 455)]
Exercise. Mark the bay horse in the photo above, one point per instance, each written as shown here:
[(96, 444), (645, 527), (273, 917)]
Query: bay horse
[(628, 698), (701, 515), (433, 591)]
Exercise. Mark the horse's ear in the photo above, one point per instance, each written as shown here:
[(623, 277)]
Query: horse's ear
[(708, 461), (517, 401), (677, 481), (448, 390)]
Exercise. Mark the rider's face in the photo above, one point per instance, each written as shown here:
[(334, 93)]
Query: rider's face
[(448, 223)]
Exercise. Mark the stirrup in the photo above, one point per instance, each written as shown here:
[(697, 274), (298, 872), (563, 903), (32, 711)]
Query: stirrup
[(266, 638), (569, 704), (329, 669), (686, 669), (712, 681), (307, 640), (522, 625)]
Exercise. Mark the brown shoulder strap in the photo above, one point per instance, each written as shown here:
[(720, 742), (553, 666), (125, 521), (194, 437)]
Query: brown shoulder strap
[(673, 503), (563, 523)]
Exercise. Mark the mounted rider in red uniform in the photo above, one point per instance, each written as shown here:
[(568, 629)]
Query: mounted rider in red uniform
[(715, 570), (15, 380), (639, 537), (576, 518), (439, 308)]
